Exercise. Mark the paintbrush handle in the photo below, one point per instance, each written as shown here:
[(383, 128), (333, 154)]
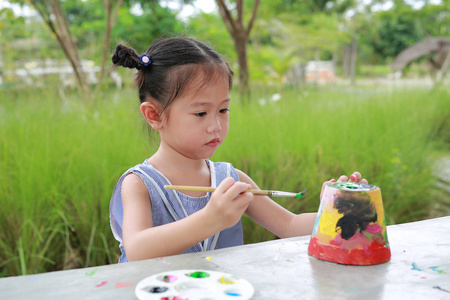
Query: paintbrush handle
[(209, 189), (253, 191)]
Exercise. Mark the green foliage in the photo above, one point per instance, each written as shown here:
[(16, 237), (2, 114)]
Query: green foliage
[(140, 30), (397, 30), (87, 22), (283, 42), (214, 34), (60, 160), (384, 34), (434, 19), (19, 35), (306, 7), (286, 33)]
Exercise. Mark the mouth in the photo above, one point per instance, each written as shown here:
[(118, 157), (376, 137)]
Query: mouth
[(213, 143)]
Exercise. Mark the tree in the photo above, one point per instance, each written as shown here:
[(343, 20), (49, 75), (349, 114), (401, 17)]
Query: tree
[(386, 33), (240, 34), (138, 30), (297, 32), (397, 31), (59, 26), (53, 15)]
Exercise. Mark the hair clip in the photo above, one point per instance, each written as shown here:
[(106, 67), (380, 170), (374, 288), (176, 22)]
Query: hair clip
[(145, 60)]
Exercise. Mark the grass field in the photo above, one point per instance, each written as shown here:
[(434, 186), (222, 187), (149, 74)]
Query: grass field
[(60, 160)]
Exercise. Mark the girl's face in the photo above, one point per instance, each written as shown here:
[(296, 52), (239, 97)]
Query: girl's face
[(196, 123)]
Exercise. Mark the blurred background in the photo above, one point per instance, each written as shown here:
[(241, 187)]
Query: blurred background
[(322, 88)]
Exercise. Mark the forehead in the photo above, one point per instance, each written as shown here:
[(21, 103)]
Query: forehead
[(204, 89)]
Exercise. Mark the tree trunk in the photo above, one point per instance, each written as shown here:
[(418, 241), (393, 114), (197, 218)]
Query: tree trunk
[(346, 60), (240, 43), (111, 17), (57, 22), (240, 35)]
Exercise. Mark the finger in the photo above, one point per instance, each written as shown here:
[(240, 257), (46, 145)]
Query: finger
[(343, 178), (364, 181), (236, 189), (241, 202), (356, 177), (244, 199), (225, 185), (327, 182), (249, 187)]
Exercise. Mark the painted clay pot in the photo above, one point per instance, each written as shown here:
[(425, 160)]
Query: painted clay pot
[(350, 227)]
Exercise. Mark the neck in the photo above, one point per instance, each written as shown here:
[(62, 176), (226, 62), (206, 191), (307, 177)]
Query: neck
[(180, 169)]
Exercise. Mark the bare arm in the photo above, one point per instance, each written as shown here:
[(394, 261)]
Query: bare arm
[(143, 241), (276, 218)]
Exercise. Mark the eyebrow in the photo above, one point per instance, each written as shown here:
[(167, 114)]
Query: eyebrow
[(199, 104)]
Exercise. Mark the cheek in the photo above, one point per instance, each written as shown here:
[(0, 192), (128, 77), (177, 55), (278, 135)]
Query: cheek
[(225, 126)]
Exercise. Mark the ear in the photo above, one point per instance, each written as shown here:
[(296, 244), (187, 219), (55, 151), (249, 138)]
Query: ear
[(151, 112)]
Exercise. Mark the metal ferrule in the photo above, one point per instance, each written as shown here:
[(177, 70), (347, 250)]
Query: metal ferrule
[(281, 194)]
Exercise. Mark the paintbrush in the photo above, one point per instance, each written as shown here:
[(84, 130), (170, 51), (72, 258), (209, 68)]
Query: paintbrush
[(253, 191)]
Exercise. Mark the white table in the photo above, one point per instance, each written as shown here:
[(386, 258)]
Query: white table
[(281, 269)]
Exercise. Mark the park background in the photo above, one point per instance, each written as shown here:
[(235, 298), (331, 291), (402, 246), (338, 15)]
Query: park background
[(70, 126)]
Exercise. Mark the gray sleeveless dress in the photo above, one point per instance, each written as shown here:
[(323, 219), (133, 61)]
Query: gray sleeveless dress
[(171, 205)]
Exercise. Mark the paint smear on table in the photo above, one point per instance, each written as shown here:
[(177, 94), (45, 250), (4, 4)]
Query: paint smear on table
[(120, 285), (441, 289), (436, 269), (91, 272), (101, 284)]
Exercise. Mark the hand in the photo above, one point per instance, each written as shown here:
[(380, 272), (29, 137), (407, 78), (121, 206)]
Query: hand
[(229, 201), (355, 177)]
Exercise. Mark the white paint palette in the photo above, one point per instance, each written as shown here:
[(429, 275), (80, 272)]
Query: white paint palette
[(193, 285)]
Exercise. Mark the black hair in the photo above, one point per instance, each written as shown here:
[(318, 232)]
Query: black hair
[(175, 63)]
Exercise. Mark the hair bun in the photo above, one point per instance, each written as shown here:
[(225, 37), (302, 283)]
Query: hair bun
[(126, 57)]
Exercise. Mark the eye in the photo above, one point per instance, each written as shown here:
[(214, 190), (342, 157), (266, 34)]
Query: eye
[(225, 110), (200, 114)]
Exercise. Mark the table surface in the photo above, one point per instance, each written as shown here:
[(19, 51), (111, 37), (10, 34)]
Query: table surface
[(280, 269)]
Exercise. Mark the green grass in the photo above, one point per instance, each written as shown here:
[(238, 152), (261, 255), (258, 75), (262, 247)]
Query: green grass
[(60, 160)]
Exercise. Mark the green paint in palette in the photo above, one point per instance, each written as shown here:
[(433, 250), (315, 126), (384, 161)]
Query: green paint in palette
[(199, 274)]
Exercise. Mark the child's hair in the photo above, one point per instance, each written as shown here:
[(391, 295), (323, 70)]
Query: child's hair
[(174, 64)]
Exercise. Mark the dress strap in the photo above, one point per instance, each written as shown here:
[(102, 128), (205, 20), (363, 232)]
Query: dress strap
[(200, 246), (161, 194)]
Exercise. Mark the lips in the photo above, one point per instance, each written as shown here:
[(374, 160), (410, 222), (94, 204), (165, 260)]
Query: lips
[(213, 143)]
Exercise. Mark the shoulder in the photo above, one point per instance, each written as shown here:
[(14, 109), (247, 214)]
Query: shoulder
[(132, 180), (133, 187), (223, 168)]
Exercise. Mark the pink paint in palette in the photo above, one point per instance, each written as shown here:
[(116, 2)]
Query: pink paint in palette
[(193, 285)]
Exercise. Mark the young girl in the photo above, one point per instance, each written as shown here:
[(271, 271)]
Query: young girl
[(184, 93)]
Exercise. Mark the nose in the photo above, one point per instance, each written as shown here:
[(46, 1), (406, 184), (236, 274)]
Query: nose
[(214, 125)]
